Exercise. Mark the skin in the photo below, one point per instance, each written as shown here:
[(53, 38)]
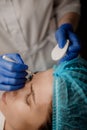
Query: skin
[(25, 112), (72, 18)]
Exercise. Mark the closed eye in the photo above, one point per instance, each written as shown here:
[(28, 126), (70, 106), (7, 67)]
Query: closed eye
[(28, 100)]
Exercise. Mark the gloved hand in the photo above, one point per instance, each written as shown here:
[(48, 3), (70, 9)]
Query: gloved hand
[(65, 32), (12, 75)]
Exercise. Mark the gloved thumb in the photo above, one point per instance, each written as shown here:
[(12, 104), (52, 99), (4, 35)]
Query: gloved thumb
[(15, 57), (74, 43)]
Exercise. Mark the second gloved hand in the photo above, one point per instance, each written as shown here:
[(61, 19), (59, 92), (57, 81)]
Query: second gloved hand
[(65, 32), (12, 74)]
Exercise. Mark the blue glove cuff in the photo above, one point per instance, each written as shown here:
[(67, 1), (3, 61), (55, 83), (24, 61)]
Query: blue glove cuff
[(67, 26)]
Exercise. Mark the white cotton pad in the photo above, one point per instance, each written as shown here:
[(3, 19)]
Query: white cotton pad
[(58, 53)]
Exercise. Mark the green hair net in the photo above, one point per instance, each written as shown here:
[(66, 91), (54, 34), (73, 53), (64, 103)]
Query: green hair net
[(70, 95)]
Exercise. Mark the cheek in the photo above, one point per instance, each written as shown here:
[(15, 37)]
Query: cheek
[(17, 113), (23, 116), (37, 117)]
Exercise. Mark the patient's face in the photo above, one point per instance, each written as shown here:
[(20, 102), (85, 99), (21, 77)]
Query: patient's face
[(28, 107)]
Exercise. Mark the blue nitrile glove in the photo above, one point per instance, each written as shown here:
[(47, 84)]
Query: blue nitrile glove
[(65, 32), (12, 75)]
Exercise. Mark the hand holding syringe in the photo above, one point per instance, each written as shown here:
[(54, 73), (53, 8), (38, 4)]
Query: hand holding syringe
[(12, 72), (11, 60)]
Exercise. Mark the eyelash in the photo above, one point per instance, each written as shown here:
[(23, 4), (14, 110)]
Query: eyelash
[(27, 99)]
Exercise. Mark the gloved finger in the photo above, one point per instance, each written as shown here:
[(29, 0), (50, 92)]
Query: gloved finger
[(61, 37), (69, 56), (10, 87), (11, 81), (11, 66), (74, 43), (16, 57), (10, 74)]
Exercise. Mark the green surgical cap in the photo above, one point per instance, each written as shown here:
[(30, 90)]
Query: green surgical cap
[(70, 95)]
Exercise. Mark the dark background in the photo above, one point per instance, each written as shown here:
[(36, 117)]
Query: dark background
[(82, 29)]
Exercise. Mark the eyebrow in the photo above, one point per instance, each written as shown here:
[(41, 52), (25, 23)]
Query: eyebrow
[(33, 93)]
